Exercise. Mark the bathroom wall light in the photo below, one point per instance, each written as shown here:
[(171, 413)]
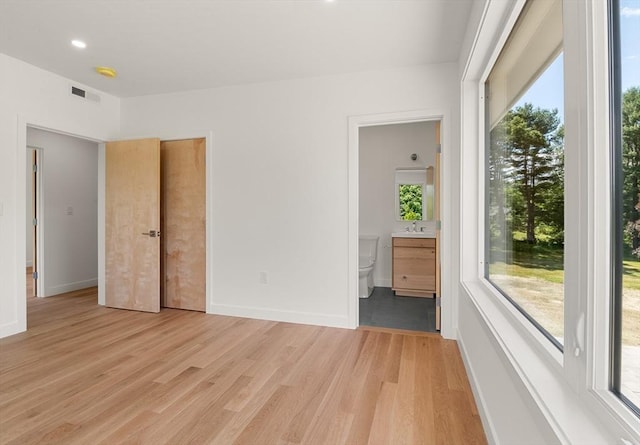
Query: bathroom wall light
[(79, 44)]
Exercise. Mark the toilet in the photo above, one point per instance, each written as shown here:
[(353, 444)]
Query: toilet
[(367, 249)]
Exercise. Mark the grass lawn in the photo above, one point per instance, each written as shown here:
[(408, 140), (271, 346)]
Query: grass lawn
[(533, 276), (631, 277)]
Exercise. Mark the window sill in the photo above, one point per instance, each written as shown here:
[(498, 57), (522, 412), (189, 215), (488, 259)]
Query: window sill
[(538, 364)]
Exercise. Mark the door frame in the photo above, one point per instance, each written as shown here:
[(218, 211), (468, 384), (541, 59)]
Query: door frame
[(25, 121), (207, 135), (403, 117)]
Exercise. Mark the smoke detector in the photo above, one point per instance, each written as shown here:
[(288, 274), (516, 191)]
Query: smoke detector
[(106, 71)]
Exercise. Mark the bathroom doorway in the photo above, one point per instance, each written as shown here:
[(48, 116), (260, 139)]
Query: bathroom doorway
[(384, 147)]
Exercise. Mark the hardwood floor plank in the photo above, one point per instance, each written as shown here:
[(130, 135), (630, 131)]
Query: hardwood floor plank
[(424, 424), (402, 425), (393, 359), (269, 420), (381, 424), (370, 392), (314, 384), (334, 424), (83, 373), (447, 429), (129, 433)]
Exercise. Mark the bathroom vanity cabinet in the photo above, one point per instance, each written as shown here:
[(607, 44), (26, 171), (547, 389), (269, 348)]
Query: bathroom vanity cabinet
[(414, 267)]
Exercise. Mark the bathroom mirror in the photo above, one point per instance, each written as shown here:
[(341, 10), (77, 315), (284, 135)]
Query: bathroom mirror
[(414, 194)]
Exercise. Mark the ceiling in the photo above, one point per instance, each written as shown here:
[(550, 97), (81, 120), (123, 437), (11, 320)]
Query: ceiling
[(163, 46)]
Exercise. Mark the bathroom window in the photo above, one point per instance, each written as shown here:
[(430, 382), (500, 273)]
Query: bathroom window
[(410, 196), (524, 173), (414, 194)]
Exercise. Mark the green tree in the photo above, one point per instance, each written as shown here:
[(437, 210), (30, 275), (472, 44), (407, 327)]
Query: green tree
[(631, 168), (410, 202), (532, 141), (550, 207)]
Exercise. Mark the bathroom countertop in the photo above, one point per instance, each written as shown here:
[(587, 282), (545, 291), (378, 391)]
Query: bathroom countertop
[(406, 234)]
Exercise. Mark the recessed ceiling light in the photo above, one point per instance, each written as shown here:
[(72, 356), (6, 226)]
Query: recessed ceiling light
[(79, 44)]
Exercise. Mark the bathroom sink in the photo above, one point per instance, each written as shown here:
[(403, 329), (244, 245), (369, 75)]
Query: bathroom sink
[(405, 234)]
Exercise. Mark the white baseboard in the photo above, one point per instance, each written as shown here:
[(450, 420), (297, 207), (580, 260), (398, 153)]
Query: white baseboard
[(335, 321), (70, 287), (11, 328), (382, 282)]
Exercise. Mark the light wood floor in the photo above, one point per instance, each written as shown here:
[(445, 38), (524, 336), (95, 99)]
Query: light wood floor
[(87, 374)]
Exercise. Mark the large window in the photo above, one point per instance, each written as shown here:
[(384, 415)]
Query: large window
[(625, 105), (559, 113), (524, 204)]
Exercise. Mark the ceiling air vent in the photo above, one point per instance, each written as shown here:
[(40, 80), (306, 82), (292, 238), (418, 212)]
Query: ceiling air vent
[(84, 94)]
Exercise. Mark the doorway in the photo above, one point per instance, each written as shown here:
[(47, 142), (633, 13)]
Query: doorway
[(61, 218), (367, 204), (396, 185)]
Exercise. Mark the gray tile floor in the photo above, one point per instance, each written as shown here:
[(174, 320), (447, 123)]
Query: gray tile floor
[(384, 309)]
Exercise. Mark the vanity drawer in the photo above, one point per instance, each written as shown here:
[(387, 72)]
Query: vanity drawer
[(414, 242), (414, 254), (418, 282)]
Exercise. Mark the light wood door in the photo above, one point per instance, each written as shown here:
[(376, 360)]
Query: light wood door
[(132, 213), (183, 224)]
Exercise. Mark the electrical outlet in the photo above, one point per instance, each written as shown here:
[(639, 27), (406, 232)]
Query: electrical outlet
[(70, 211), (263, 278)]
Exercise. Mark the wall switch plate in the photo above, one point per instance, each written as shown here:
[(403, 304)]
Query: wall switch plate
[(263, 278)]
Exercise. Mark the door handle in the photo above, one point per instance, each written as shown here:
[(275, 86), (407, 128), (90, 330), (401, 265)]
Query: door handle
[(152, 233)]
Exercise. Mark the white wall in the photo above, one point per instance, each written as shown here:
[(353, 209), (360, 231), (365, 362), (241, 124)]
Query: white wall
[(69, 175), (37, 97), (279, 184), (383, 148)]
